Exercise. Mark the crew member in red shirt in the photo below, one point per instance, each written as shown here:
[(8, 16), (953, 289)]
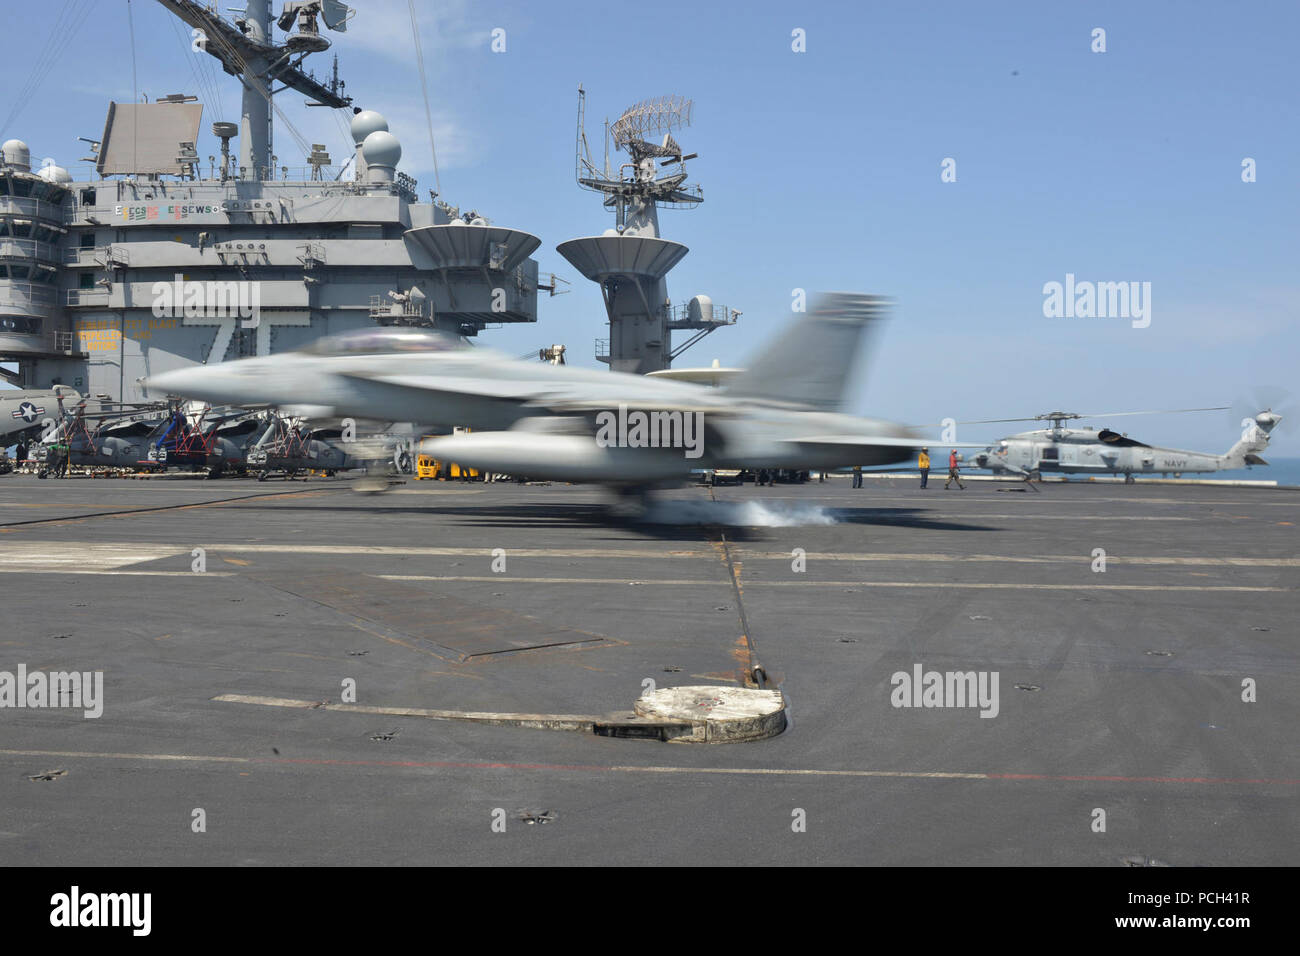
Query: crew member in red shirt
[(953, 458)]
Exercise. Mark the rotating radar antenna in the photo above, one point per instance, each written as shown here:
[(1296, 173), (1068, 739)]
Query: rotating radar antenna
[(656, 173), (657, 118)]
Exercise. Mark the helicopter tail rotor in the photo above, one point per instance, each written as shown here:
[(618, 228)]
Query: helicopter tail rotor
[(1256, 430), (1267, 407)]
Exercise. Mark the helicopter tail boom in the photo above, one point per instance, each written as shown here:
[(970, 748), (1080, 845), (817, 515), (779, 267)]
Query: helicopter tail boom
[(1254, 439)]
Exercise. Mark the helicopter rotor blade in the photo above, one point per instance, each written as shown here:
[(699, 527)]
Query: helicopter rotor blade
[(1157, 411), (984, 421), (1072, 415)]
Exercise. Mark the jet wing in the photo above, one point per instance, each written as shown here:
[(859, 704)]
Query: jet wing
[(502, 388), (578, 398), (882, 441), (866, 449), (592, 406)]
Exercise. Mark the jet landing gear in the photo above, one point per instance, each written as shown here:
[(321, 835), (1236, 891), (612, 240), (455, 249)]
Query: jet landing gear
[(1128, 479), (633, 501), (375, 480)]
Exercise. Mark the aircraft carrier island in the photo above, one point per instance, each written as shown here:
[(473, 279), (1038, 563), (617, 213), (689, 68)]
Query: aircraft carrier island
[(169, 258)]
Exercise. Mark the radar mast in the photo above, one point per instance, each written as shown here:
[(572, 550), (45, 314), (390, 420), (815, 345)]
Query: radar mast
[(245, 48), (631, 261)]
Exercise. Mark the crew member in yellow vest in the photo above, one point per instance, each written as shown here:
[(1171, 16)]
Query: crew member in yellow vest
[(924, 464)]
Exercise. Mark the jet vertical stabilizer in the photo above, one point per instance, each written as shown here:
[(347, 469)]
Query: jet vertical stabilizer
[(810, 364)]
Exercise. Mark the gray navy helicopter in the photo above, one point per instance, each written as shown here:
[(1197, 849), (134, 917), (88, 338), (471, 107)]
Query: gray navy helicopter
[(1092, 451)]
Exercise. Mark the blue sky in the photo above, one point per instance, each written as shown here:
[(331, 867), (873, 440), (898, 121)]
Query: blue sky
[(821, 170)]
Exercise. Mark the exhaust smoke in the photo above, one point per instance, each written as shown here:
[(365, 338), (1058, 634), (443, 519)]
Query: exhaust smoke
[(741, 514)]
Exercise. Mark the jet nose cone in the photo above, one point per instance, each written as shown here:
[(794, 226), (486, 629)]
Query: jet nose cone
[(164, 384), (211, 383)]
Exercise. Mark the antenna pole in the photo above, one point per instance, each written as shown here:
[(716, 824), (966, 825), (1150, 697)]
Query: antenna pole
[(580, 137), (247, 50), (255, 136)]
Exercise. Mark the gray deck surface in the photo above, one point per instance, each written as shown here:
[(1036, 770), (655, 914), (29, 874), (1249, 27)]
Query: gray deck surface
[(308, 583)]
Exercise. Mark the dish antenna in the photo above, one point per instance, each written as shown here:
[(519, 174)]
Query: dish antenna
[(225, 132), (308, 39)]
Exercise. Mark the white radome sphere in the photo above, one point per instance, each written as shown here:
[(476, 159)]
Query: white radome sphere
[(381, 148), (55, 174), (16, 153), (365, 123)]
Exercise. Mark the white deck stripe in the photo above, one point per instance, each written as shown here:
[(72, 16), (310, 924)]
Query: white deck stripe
[(751, 583), (117, 554)]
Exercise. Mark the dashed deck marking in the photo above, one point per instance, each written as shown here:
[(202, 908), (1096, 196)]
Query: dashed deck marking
[(681, 582), (640, 769), (54, 552)]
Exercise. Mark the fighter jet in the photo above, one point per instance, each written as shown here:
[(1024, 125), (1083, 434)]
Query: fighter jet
[(565, 423)]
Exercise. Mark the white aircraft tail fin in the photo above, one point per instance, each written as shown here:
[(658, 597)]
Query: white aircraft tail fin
[(1255, 434), (811, 362)]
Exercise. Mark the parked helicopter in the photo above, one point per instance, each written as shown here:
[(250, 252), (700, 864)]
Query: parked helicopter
[(195, 441), (117, 435), (1093, 451), (156, 436), (289, 446), (147, 437)]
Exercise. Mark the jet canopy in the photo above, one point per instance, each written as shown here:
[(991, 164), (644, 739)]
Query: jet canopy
[(379, 341)]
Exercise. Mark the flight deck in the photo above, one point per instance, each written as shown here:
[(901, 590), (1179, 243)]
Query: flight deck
[(304, 664)]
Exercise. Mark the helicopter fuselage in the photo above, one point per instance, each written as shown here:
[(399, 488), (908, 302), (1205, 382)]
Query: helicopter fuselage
[(1089, 451)]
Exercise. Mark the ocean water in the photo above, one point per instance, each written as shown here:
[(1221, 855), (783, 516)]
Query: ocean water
[(1285, 471)]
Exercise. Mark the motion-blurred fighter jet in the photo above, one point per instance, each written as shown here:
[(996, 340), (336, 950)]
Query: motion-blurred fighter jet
[(573, 424)]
